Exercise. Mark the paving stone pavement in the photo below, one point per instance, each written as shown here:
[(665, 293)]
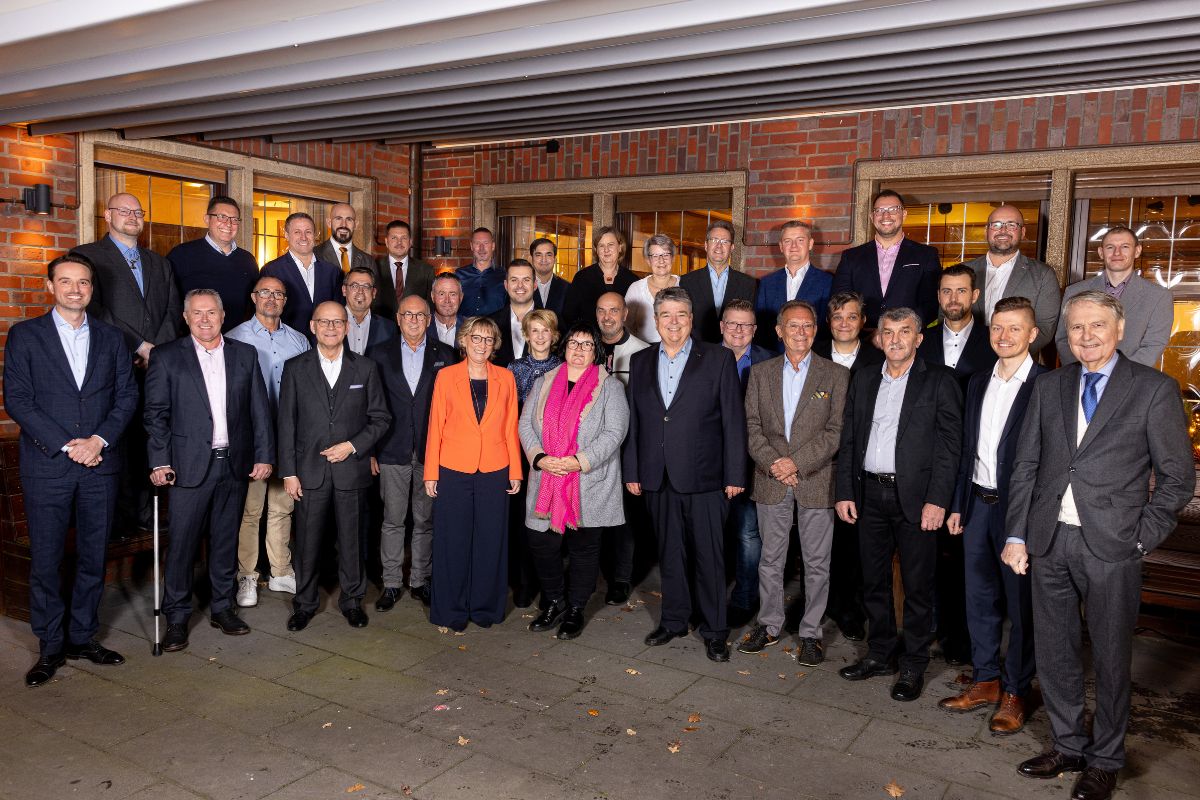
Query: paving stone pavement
[(400, 709)]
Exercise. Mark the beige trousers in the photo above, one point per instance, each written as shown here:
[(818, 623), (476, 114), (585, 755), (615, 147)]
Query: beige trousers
[(279, 504)]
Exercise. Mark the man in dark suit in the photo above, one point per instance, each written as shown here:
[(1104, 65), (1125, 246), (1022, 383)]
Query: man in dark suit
[(309, 280), (216, 262), (519, 288), (550, 291), (134, 290), (891, 271), (686, 450), (896, 468), (331, 413), (365, 328), (408, 365), (718, 283), (68, 382), (339, 247), (1081, 517), (399, 274), (850, 349), (797, 279), (992, 415), (209, 427)]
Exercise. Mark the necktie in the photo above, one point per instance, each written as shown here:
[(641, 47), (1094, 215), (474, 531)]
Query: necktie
[(1090, 400), (135, 265), (345, 261), (399, 282)]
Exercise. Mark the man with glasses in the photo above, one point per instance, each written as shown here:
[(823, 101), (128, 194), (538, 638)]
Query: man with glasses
[(892, 271), (718, 283), (275, 343), (1004, 271), (400, 274), (133, 289), (408, 365), (216, 262), (339, 247), (309, 280), (797, 279), (551, 290), (364, 329)]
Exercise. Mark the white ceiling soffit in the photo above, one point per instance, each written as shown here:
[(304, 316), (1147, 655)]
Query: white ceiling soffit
[(472, 69)]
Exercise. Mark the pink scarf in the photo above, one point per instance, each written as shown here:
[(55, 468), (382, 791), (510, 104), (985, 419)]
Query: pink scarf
[(558, 497)]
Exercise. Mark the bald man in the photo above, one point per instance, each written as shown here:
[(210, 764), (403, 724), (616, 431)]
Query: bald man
[(339, 248)]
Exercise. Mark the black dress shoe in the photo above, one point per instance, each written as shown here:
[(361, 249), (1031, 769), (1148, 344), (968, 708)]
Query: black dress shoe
[(908, 687), (572, 623), (1051, 765), (229, 623), (661, 635), (421, 593), (867, 668), (716, 650), (551, 615), (299, 620), (44, 669), (618, 593), (1095, 784), (356, 617), (176, 637), (95, 652), (852, 629), (388, 599)]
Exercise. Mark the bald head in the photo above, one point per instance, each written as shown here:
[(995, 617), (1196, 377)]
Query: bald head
[(125, 218), (611, 314), (329, 326)]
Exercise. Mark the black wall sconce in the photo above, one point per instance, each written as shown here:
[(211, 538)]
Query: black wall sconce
[(36, 199), (442, 246)]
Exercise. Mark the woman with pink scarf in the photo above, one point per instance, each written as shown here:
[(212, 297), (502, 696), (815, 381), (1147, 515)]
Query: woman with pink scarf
[(572, 427)]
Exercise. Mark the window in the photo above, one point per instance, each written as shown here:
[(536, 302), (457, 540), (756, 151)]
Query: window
[(684, 216), (564, 220), (957, 230), (270, 211), (174, 206)]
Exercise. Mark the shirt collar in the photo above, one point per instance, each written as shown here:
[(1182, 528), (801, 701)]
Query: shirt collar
[(311, 265), (232, 246), (888, 378), (1022, 373), (128, 252), (404, 344), (332, 361), (1110, 285), (686, 351), (61, 323), (804, 362), (202, 349), (1003, 264), (891, 249), (1107, 369)]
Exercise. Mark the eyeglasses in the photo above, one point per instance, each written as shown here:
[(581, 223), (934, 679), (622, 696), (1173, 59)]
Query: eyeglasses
[(741, 326), (659, 257), (356, 287), (273, 294), (125, 212), (879, 212), (330, 323), (1004, 226), (413, 315), (477, 339), (721, 242), (579, 344), (225, 219)]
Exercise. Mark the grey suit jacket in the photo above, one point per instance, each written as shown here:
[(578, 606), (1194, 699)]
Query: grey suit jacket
[(602, 428), (1138, 429), (815, 435), (1030, 279), (1149, 312), (328, 251)]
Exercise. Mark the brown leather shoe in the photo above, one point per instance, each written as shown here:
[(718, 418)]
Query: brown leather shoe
[(982, 693), (1010, 718)]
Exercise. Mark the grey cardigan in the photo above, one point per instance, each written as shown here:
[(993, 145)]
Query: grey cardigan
[(602, 429)]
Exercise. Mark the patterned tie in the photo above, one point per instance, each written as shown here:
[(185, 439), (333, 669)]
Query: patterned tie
[(1090, 400), (345, 261), (135, 265)]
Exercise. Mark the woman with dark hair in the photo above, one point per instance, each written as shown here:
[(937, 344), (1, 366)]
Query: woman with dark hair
[(574, 421), (606, 275)]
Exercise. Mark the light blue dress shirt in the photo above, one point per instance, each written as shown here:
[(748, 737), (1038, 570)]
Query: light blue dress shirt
[(76, 343), (670, 370), (134, 259), (885, 423), (793, 389), (273, 349), (719, 284), (412, 361)]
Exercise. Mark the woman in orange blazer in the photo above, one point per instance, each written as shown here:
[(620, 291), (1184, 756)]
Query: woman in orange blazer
[(472, 464)]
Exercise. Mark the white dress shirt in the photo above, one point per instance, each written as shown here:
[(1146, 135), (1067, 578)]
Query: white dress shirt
[(76, 344), (399, 268), (544, 291), (447, 334), (996, 282), (794, 281), (954, 343), (998, 400), (212, 366), (309, 273), (331, 368), (847, 360), (518, 335)]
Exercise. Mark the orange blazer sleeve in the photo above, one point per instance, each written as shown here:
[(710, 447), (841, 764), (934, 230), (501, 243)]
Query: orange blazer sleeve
[(437, 423), (512, 439)]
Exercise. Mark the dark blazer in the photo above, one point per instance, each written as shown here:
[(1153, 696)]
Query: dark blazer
[(505, 354), (913, 284), (327, 285), (179, 421), (868, 354), (706, 317), (419, 282), (977, 353), (556, 298), (156, 317), (772, 294), (757, 356), (405, 437), (40, 395), (1138, 429), (586, 288), (700, 440), (928, 441), (383, 329), (328, 251), (1007, 450), (313, 417)]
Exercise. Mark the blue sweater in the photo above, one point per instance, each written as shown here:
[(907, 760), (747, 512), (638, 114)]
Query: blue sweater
[(198, 265)]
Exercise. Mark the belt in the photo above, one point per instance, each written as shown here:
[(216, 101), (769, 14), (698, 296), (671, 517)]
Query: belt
[(220, 452), (989, 496), (883, 478)]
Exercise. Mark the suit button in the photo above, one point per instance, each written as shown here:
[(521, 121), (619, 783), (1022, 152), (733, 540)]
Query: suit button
[(1072, 469), (666, 419)]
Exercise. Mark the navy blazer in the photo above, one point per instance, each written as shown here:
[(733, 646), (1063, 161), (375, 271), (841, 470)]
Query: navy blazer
[(706, 317), (405, 437), (977, 353), (40, 395), (699, 441), (914, 281), (179, 420), (1006, 452), (772, 294), (556, 298), (382, 330), (327, 285)]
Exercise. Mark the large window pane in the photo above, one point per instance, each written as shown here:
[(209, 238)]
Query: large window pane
[(958, 230), (174, 206), (571, 233), (685, 226), (270, 211)]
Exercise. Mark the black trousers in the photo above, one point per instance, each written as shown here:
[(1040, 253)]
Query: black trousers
[(845, 575), (691, 527), (48, 509), (218, 500), (950, 614), (583, 551), (349, 508), (470, 548), (883, 530)]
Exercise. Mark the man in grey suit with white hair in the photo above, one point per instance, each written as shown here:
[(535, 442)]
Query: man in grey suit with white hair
[(1081, 517)]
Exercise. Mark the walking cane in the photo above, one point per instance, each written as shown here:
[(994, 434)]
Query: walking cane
[(157, 650)]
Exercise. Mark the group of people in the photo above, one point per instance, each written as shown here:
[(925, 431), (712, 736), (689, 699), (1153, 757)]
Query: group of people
[(523, 421)]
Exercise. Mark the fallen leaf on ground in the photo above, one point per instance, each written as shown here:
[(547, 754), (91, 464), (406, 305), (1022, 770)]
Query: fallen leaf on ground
[(463, 741), (782, 677), (407, 790), (462, 647), (630, 732), (592, 712), (443, 629), (690, 729), (358, 787), (764, 655), (527, 616), (674, 746), (442, 692), (629, 607), (894, 789), (743, 672), (656, 594), (801, 674), (460, 633), (694, 718), (483, 691), (442, 707), (786, 649), (632, 671), (327, 725)]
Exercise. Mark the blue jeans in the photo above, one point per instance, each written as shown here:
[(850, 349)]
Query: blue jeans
[(743, 519)]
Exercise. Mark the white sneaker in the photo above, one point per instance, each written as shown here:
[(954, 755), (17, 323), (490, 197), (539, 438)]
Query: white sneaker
[(247, 593), (285, 584)]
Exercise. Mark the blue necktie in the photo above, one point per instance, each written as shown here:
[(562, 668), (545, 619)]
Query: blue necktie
[(1090, 400), (135, 265)]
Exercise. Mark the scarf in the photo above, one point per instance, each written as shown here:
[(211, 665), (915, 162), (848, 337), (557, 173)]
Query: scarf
[(558, 497)]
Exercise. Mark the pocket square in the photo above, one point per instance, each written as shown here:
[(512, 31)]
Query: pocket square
[(356, 386), (819, 395)]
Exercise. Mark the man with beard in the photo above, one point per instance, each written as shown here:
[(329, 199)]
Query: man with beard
[(339, 248), (619, 343), (400, 273)]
